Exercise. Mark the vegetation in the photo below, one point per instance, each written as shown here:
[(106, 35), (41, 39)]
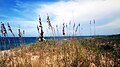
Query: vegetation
[(65, 53)]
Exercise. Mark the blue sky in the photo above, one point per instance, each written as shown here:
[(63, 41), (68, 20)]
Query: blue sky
[(26, 12)]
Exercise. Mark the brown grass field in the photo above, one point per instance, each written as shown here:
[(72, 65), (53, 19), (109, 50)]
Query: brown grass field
[(95, 52)]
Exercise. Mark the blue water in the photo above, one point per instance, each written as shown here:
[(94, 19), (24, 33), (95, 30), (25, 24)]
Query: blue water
[(12, 42)]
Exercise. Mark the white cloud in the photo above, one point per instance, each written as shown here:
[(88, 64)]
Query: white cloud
[(79, 11), (89, 9), (69, 10), (111, 25)]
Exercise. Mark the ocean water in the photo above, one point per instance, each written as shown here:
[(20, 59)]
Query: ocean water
[(13, 42)]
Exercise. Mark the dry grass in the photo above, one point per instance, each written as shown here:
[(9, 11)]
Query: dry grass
[(66, 53)]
